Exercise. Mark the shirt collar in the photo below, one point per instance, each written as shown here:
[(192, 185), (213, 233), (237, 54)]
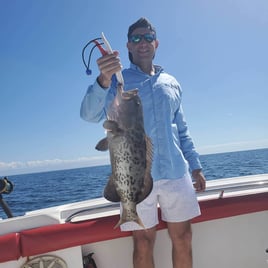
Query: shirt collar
[(135, 67)]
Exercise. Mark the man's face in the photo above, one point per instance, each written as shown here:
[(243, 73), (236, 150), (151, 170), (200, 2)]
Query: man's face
[(142, 46)]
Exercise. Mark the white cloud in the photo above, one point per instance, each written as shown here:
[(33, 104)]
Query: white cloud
[(233, 146), (19, 167)]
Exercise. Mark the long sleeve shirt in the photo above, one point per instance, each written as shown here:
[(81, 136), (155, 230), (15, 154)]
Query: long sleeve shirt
[(164, 122)]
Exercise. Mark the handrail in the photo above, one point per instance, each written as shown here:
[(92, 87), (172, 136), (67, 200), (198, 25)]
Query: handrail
[(219, 189), (227, 185)]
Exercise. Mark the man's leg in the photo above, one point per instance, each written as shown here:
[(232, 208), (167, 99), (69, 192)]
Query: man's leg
[(181, 237), (144, 248)]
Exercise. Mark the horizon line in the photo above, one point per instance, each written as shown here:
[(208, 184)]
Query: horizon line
[(37, 166)]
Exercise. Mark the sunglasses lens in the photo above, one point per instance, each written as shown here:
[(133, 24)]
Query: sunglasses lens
[(149, 37), (135, 38)]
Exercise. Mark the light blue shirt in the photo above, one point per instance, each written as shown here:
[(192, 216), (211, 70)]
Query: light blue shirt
[(173, 149)]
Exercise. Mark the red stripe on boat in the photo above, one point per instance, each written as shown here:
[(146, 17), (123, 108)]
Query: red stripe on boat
[(9, 247), (59, 236)]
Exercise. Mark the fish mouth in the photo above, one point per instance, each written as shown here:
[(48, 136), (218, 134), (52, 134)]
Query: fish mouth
[(127, 95)]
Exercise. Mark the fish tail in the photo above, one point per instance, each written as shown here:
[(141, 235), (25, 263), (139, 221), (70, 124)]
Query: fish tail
[(119, 223), (137, 220)]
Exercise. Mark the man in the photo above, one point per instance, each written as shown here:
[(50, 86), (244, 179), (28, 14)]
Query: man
[(174, 152)]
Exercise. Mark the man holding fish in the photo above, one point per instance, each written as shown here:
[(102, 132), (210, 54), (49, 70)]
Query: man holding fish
[(150, 144)]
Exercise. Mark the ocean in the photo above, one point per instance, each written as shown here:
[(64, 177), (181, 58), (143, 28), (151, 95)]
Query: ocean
[(47, 189)]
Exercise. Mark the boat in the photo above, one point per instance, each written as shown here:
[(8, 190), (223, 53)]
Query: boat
[(232, 232)]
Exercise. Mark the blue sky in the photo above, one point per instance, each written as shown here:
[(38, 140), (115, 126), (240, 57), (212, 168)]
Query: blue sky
[(217, 50)]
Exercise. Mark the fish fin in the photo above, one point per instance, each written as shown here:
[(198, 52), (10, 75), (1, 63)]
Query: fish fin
[(102, 145), (111, 125), (149, 153), (148, 181), (119, 223), (147, 188), (113, 128), (110, 192)]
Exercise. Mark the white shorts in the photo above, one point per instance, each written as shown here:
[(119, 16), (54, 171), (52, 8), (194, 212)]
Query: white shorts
[(176, 198)]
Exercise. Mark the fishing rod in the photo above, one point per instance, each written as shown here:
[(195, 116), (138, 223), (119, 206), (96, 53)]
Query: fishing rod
[(98, 42), (6, 187)]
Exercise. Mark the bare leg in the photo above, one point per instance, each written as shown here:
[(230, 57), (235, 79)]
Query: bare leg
[(143, 248), (181, 237)]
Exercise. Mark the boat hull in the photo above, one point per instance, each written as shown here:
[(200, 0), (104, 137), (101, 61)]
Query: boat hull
[(231, 232)]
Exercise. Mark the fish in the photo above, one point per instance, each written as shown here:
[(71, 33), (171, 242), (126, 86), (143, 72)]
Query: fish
[(131, 152)]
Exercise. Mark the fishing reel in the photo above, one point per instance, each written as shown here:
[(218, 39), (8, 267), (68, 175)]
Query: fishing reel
[(6, 186), (88, 261)]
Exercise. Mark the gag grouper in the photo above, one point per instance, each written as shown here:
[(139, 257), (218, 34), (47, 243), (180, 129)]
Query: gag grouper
[(130, 154)]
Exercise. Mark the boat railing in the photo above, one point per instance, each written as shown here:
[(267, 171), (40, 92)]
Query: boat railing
[(216, 189), (233, 186)]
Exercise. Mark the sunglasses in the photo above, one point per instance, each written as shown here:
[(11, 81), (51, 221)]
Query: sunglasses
[(136, 38)]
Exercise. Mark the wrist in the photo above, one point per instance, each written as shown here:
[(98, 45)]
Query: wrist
[(104, 83), (196, 171)]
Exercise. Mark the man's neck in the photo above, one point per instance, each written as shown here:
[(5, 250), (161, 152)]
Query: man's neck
[(147, 68)]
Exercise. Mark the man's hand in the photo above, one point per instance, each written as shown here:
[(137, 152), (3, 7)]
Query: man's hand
[(108, 65), (200, 180)]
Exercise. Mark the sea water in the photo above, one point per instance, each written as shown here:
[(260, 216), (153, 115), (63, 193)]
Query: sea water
[(47, 189)]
